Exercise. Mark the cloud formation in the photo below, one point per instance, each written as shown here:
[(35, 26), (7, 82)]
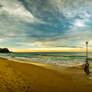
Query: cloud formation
[(26, 24)]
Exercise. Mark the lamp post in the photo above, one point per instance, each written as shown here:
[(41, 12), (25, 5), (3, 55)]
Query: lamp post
[(86, 67), (86, 51)]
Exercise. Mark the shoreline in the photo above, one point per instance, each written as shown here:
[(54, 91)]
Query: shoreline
[(47, 66), (42, 63), (62, 62)]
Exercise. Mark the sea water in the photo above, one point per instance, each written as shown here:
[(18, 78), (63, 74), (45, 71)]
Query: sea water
[(57, 58)]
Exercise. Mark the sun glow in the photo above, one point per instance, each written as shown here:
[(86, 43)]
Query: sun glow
[(79, 23), (54, 50)]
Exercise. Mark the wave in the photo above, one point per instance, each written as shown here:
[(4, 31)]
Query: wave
[(46, 59)]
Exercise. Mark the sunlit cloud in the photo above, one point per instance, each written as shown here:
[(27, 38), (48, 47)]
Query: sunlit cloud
[(51, 24), (79, 23)]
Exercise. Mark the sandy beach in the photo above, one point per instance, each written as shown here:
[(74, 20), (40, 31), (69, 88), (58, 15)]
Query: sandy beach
[(24, 77)]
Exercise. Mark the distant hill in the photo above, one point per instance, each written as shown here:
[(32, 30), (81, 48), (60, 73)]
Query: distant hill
[(4, 50)]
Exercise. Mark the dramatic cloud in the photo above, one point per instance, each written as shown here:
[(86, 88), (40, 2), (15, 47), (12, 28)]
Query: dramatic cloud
[(27, 24)]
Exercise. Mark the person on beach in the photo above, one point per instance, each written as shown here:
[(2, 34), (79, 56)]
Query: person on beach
[(86, 67)]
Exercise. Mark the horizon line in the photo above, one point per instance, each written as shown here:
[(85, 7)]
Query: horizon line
[(72, 50)]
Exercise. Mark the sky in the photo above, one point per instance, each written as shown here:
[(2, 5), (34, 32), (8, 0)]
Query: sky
[(45, 24)]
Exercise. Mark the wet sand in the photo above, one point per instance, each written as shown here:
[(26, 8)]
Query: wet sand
[(24, 77)]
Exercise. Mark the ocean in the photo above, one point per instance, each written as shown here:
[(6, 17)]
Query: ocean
[(56, 58)]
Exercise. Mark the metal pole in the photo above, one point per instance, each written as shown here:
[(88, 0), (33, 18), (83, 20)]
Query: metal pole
[(87, 51), (86, 68)]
